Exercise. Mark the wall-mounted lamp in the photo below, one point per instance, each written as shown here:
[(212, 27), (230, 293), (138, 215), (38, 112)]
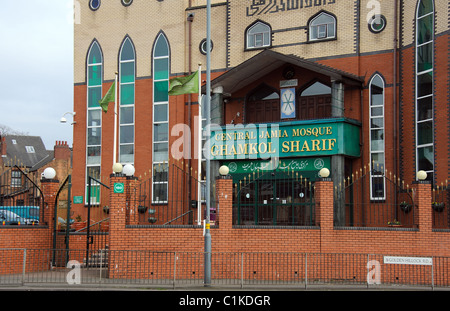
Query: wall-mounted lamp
[(64, 120)]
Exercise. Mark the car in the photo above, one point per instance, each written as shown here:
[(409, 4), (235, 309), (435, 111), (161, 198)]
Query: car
[(28, 212), (10, 218)]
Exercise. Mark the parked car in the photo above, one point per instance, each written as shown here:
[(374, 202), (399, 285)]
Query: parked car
[(28, 212), (10, 218)]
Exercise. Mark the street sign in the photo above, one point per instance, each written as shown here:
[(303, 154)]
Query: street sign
[(426, 261)]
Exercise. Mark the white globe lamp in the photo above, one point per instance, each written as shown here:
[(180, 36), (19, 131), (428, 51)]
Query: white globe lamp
[(128, 170), (49, 173)]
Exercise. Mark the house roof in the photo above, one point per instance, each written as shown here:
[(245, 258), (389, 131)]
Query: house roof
[(265, 62), (27, 150)]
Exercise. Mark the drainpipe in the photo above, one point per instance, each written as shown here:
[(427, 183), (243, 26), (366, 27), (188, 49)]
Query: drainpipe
[(190, 19), (395, 86)]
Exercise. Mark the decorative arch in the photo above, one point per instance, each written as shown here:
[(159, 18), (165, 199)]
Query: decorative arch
[(127, 78), (314, 100), (94, 79), (160, 139), (377, 136), (424, 103), (258, 35), (262, 105), (322, 26)]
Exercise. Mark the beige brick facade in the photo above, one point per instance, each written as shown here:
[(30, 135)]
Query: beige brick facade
[(143, 20)]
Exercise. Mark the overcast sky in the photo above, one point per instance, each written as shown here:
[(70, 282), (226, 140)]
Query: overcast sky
[(36, 68)]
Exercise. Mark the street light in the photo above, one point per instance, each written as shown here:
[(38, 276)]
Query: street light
[(64, 120)]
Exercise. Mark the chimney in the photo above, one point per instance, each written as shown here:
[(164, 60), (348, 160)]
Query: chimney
[(61, 150), (3, 146)]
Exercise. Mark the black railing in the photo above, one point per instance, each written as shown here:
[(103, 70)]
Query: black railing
[(274, 199), (374, 198), (21, 199), (440, 206), (171, 196)]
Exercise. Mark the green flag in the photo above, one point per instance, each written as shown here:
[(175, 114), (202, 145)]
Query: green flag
[(108, 98), (184, 85)]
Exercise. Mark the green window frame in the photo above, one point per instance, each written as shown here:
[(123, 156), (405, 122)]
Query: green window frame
[(127, 79), (424, 101), (160, 139), (94, 115)]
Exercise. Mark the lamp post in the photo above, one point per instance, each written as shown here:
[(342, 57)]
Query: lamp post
[(207, 280)]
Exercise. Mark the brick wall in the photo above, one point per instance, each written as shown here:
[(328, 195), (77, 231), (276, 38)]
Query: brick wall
[(30, 237), (323, 239)]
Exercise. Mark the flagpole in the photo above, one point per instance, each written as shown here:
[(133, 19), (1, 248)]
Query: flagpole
[(199, 147), (115, 122), (207, 265)]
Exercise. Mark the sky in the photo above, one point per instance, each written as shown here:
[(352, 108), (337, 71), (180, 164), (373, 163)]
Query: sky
[(36, 68)]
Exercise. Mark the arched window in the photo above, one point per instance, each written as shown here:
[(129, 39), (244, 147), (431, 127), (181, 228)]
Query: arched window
[(377, 137), (94, 116), (127, 75), (262, 105), (258, 35), (315, 102), (161, 61), (424, 87), (322, 26)]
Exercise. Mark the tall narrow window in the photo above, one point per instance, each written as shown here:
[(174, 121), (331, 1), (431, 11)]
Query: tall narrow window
[(94, 117), (377, 136), (161, 57), (424, 87), (258, 36), (126, 112), (321, 27)]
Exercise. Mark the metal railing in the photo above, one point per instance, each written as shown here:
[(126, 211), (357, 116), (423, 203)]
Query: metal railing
[(274, 199), (21, 199), (375, 198), (241, 269), (440, 205), (177, 203)]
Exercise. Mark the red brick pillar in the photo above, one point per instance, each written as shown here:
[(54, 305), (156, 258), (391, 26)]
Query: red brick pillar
[(49, 188), (117, 222), (324, 197), (132, 199), (423, 200), (117, 209), (224, 199)]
